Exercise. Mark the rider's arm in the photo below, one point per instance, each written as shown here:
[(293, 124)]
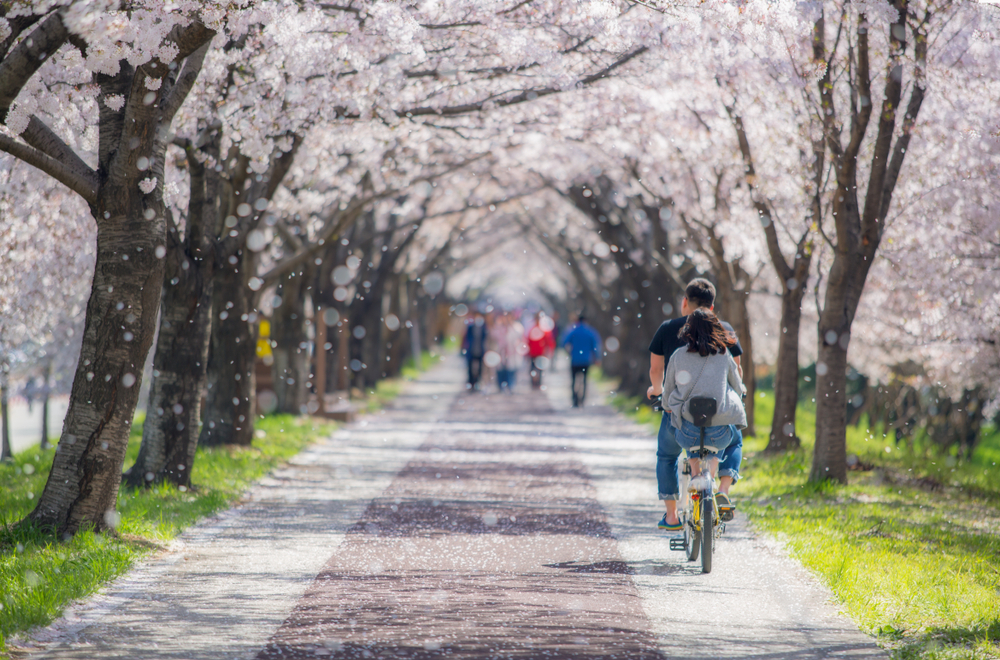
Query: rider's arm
[(739, 366), (656, 363), (735, 376)]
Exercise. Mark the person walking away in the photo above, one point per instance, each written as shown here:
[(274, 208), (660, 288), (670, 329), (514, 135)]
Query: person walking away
[(507, 336), (541, 345), (704, 368), (583, 344), (699, 294), (474, 347)]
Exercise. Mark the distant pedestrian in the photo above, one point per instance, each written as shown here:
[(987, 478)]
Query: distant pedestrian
[(474, 348), (509, 337), (584, 346), (541, 346)]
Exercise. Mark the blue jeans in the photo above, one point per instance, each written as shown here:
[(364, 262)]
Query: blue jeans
[(505, 378), (668, 450)]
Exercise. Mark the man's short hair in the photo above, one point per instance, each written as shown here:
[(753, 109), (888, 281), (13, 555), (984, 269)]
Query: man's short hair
[(700, 292)]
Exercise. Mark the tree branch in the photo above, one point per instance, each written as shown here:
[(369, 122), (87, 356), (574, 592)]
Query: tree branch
[(527, 95), (763, 208), (870, 220), (82, 183), (909, 120), (185, 82), (27, 57)]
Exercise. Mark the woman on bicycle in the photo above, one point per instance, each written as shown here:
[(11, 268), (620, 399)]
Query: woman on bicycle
[(704, 368)]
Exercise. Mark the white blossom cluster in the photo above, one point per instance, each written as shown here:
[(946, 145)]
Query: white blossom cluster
[(386, 96)]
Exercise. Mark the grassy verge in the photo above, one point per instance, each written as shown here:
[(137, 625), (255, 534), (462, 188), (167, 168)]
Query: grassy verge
[(40, 575), (909, 547)]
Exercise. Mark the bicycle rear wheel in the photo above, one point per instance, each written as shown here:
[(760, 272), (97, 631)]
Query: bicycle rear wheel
[(707, 533), (692, 542)]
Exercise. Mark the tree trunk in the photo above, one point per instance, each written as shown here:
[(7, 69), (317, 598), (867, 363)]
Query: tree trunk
[(5, 451), (397, 345), (859, 228), (413, 314), (46, 394), (786, 374), (830, 457), (120, 323), (360, 313), (170, 432), (289, 335), (732, 303), (843, 292), (231, 401), (82, 488), (747, 362)]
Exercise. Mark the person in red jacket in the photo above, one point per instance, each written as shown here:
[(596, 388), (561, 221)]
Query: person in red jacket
[(541, 346)]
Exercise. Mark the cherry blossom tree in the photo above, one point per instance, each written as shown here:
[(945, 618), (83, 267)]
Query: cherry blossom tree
[(111, 82), (896, 40)]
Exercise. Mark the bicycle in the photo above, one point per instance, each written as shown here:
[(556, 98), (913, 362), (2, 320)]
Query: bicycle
[(697, 509)]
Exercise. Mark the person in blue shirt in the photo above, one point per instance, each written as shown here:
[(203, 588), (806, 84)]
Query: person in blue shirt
[(584, 347)]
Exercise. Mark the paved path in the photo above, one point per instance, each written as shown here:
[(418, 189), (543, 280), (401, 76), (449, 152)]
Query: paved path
[(459, 526)]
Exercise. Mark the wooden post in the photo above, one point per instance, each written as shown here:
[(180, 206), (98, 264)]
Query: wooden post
[(46, 394), (343, 348), (319, 355)]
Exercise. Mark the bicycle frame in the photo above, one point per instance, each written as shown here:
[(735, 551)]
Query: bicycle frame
[(697, 508)]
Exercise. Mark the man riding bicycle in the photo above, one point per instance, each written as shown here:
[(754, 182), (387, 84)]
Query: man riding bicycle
[(699, 294)]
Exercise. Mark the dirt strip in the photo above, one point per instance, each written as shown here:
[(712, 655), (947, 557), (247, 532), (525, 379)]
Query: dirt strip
[(486, 545)]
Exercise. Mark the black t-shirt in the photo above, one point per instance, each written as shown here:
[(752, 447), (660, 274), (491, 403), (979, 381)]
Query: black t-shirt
[(665, 341)]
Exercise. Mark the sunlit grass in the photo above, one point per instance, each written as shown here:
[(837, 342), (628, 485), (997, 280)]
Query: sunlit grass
[(40, 575), (909, 547)]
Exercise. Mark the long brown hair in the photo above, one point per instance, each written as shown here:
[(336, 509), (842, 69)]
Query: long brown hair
[(704, 334)]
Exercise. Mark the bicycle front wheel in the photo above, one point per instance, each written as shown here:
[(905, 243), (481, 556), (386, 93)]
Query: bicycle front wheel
[(707, 533)]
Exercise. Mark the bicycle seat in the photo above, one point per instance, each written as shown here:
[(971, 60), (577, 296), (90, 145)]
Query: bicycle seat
[(702, 409)]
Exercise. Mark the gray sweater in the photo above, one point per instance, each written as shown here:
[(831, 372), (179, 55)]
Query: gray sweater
[(689, 375)]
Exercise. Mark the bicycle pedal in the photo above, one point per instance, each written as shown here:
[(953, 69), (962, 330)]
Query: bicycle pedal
[(677, 544)]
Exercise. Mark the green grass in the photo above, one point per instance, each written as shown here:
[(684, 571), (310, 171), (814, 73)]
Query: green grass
[(909, 547), (40, 575)]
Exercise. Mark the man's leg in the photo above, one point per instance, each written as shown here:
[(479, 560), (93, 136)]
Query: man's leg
[(583, 384), (729, 462), (577, 374), (477, 369), (667, 453)]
